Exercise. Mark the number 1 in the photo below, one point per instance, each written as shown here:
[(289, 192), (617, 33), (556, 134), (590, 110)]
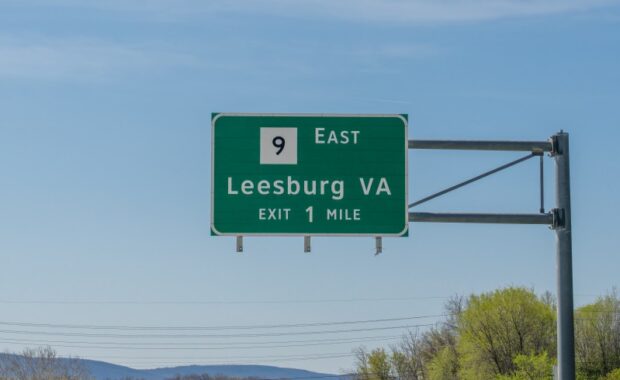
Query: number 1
[(309, 211)]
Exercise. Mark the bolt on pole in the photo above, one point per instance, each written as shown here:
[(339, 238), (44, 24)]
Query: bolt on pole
[(565, 327)]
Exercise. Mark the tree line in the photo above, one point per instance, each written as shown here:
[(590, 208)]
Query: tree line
[(507, 334)]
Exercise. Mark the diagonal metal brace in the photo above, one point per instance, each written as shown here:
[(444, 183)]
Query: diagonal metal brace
[(477, 178)]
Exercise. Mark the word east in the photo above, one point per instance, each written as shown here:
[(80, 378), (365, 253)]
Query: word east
[(321, 136)]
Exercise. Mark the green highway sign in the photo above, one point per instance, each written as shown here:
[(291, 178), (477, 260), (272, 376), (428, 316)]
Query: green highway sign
[(309, 174)]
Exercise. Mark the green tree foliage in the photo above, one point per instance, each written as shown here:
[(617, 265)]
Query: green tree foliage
[(507, 334), (407, 367), (411, 358), (379, 364), (498, 326), (531, 367), (613, 375), (444, 366), (597, 337), (362, 371), (375, 365)]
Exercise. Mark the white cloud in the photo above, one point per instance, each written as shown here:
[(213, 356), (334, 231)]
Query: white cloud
[(83, 59), (400, 11)]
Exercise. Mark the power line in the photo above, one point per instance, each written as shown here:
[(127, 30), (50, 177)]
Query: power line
[(223, 344), (175, 347), (203, 358), (219, 302), (272, 360), (224, 327), (232, 302), (236, 360), (244, 327), (193, 336), (162, 348)]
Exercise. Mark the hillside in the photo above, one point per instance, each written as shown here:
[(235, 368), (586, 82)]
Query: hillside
[(108, 371)]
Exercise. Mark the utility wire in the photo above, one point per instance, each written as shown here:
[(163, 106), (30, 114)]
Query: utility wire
[(236, 360), (203, 358), (144, 346), (241, 327), (193, 336), (165, 348), (223, 344), (219, 302), (225, 327), (275, 359)]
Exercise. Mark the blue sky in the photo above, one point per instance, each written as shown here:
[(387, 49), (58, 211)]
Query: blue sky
[(105, 163)]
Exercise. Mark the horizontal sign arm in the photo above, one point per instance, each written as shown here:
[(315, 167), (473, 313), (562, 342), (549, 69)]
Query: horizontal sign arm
[(515, 146), (546, 219)]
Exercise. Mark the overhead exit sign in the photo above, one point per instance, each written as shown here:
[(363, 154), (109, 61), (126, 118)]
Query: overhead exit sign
[(309, 174)]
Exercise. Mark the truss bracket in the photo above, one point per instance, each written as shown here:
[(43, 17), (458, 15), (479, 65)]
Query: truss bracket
[(559, 218)]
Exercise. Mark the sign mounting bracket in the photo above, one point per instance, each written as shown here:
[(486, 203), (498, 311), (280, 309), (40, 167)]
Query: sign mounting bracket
[(558, 219)]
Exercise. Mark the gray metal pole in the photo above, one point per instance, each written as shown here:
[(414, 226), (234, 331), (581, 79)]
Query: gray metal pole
[(515, 146), (565, 328), (449, 217)]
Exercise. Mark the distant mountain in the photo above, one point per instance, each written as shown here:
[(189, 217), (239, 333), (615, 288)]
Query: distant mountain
[(108, 371), (104, 371)]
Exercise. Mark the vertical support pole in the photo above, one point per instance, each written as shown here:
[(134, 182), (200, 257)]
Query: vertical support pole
[(565, 327), (378, 245)]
